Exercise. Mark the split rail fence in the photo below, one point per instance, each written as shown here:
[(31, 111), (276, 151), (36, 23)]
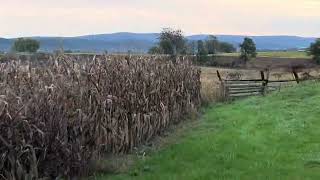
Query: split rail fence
[(250, 87)]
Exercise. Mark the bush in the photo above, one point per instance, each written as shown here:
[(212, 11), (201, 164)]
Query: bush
[(26, 45), (314, 50), (57, 117)]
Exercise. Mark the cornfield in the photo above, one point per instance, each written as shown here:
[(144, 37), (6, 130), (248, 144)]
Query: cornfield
[(58, 114)]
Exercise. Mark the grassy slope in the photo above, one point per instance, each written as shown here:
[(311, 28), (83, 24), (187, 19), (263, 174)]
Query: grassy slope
[(276, 54), (276, 137)]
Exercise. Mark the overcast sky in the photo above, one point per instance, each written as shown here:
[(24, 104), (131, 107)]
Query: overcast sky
[(79, 17)]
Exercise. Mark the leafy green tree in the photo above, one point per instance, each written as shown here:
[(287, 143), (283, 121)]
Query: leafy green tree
[(314, 50), (248, 49), (226, 47), (202, 54), (172, 41), (191, 48), (167, 47), (212, 44), (155, 50), (202, 51), (26, 45)]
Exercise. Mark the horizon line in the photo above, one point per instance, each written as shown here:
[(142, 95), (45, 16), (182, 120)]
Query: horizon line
[(185, 34)]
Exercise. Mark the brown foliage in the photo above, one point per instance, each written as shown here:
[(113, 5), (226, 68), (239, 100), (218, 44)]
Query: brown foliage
[(57, 116), (234, 75)]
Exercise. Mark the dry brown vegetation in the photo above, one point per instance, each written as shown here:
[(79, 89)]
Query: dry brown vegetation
[(58, 115)]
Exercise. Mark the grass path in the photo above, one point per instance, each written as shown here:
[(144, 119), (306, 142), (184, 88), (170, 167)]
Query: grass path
[(276, 137), (276, 54)]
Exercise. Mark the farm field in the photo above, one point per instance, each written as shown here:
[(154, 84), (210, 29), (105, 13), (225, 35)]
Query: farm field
[(60, 112), (105, 93), (273, 137), (276, 54), (142, 90)]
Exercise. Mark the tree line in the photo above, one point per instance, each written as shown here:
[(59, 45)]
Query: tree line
[(173, 42)]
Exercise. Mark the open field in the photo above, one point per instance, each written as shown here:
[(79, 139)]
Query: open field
[(276, 54), (56, 105), (259, 63), (273, 137)]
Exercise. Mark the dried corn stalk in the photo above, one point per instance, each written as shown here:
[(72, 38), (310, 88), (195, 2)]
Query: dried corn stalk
[(57, 114)]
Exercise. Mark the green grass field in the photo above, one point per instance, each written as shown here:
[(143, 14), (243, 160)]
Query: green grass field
[(276, 54), (273, 137)]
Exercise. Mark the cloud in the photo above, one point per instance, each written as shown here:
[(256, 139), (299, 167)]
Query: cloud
[(77, 17)]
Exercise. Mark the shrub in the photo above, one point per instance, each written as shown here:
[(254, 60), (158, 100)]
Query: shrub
[(314, 50), (26, 45)]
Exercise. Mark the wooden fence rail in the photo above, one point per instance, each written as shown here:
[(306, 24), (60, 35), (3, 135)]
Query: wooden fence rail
[(249, 87)]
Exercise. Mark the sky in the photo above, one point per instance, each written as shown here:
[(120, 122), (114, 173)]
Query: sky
[(20, 18)]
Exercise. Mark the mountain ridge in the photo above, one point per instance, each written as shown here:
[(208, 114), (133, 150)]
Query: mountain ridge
[(141, 42)]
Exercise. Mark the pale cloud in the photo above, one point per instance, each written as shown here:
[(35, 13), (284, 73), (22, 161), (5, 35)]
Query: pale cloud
[(78, 17)]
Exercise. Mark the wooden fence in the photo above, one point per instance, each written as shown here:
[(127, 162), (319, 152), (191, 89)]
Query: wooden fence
[(250, 87)]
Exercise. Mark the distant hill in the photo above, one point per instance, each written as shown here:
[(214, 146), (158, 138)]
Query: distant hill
[(123, 36), (5, 44), (141, 42)]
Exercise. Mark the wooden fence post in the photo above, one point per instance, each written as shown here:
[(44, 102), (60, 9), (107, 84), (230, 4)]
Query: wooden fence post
[(262, 75), (223, 87), (219, 76), (264, 83), (296, 76)]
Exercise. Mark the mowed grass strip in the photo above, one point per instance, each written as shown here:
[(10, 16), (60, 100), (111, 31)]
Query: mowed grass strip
[(273, 137), (276, 54)]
